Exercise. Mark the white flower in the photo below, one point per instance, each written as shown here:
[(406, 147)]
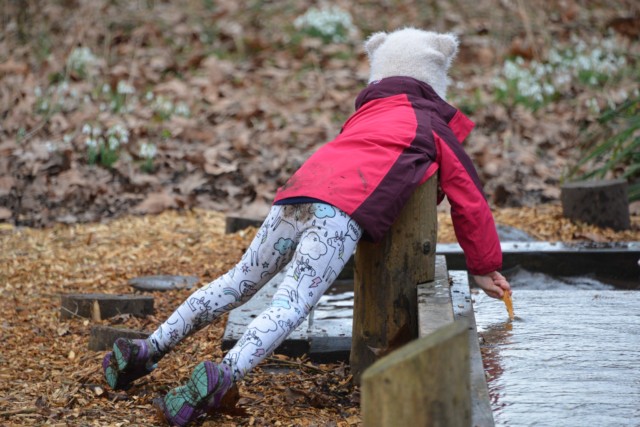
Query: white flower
[(86, 129), (148, 151), (182, 109), (119, 132), (163, 106), (80, 58), (114, 143), (91, 143), (125, 88), (592, 104), (331, 23)]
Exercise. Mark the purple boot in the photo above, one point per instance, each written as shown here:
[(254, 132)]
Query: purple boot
[(129, 360), (202, 393)]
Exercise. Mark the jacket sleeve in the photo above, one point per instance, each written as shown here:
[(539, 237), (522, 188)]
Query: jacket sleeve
[(470, 213)]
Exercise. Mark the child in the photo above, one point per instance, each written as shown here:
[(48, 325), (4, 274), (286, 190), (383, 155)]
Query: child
[(353, 187)]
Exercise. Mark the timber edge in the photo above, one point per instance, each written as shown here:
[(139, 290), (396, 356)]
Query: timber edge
[(445, 300)]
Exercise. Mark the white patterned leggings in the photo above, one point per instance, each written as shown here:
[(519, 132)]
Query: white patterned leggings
[(315, 240)]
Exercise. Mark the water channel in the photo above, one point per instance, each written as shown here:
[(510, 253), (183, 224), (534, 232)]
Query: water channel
[(571, 356)]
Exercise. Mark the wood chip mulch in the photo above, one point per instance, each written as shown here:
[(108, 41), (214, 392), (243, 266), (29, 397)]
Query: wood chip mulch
[(49, 377)]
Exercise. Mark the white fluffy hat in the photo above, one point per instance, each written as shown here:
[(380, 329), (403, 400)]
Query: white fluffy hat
[(410, 52)]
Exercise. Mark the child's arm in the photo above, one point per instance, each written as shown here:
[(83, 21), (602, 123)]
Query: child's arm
[(493, 284), (470, 213)]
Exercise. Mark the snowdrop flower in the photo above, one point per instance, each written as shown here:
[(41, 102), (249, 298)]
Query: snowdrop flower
[(114, 143), (182, 109), (80, 58), (149, 96), (332, 23), (592, 104), (119, 132), (106, 88), (163, 106), (148, 151), (91, 143), (86, 129), (125, 88)]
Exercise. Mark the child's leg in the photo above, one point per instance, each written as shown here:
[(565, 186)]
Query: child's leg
[(270, 250), (327, 242)]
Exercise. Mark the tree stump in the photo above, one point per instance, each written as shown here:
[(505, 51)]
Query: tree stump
[(103, 306), (604, 203), (425, 383), (385, 313)]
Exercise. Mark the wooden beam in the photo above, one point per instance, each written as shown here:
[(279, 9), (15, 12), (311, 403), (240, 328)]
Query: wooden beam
[(435, 308), (610, 262), (425, 383), (103, 306), (481, 411), (103, 337), (386, 275)]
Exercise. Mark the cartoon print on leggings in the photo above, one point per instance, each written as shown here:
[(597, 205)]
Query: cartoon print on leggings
[(321, 238), (253, 257), (250, 341), (284, 248)]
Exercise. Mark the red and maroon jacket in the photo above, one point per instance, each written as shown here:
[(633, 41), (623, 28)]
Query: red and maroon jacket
[(400, 135)]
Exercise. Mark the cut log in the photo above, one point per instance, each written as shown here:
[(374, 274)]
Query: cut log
[(103, 337), (385, 313), (103, 306), (425, 383), (604, 203)]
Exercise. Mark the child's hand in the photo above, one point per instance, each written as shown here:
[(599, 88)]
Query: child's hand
[(493, 284)]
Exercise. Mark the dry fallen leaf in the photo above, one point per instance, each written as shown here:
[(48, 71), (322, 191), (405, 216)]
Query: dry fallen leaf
[(506, 297)]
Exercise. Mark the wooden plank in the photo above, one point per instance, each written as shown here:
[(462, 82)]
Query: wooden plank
[(615, 263), (296, 344), (481, 413), (386, 276), (425, 383), (103, 306), (103, 337), (435, 309)]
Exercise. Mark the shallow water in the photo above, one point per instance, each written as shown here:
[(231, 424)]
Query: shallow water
[(571, 356)]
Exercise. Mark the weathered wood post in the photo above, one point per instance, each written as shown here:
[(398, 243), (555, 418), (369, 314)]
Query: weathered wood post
[(425, 383), (385, 313)]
